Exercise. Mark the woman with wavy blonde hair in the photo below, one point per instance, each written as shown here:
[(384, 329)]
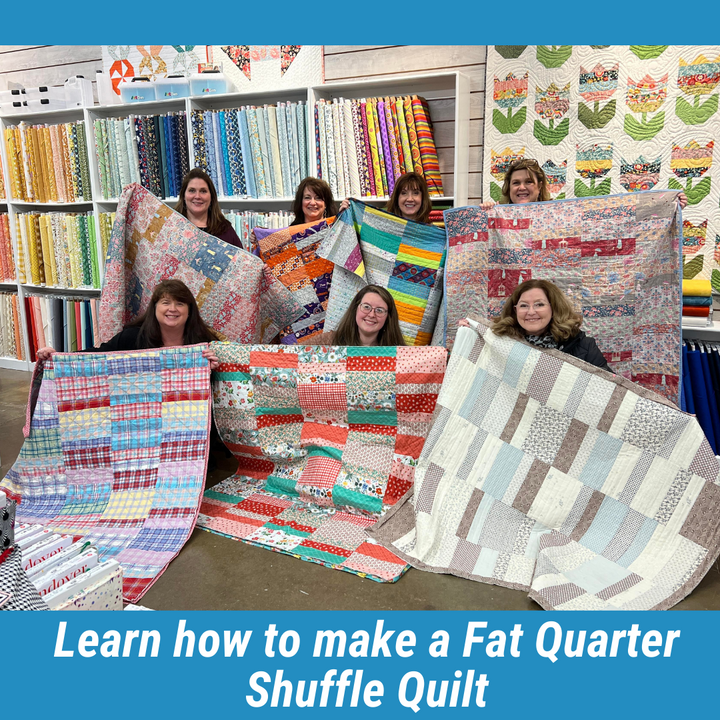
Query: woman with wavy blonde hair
[(540, 313)]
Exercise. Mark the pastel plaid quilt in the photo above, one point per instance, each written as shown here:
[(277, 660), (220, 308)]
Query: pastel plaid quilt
[(327, 439), (116, 453), (237, 294), (545, 474), (617, 258), (372, 247), (290, 254)]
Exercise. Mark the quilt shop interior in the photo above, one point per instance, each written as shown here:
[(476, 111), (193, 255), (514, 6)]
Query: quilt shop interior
[(474, 463)]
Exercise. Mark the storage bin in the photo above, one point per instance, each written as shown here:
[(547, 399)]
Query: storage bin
[(43, 104), (105, 91), (11, 101), (209, 82), (79, 92), (173, 86), (56, 96), (139, 89)]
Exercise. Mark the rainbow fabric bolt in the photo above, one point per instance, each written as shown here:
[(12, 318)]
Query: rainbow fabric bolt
[(545, 474), (327, 439), (116, 452), (373, 247)]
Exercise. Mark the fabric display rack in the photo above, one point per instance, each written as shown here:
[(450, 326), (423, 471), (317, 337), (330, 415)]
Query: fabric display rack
[(701, 389), (147, 149), (92, 152)]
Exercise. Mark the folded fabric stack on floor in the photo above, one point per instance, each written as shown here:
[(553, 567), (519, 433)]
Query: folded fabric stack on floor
[(327, 439), (697, 308), (545, 474), (116, 452)]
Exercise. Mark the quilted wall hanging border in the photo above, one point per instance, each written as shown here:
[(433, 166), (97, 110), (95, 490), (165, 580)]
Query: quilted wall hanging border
[(604, 119), (116, 453), (545, 474), (327, 439), (616, 258), (236, 293), (371, 246)]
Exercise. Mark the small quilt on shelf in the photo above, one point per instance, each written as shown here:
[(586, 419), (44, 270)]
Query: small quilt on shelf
[(237, 294), (327, 439), (373, 247), (616, 258), (116, 453), (290, 254), (545, 474)]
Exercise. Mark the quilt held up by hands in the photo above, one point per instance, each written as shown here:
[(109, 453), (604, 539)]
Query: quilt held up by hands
[(616, 258), (291, 255), (373, 247), (237, 294), (116, 453), (327, 439), (545, 474)]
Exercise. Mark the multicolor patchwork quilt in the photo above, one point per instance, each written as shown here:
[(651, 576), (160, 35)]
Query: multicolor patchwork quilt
[(327, 439), (116, 453), (291, 256), (616, 258), (373, 247), (237, 294), (546, 474)]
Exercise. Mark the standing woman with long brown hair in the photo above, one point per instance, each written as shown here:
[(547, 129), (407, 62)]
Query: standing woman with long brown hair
[(198, 202)]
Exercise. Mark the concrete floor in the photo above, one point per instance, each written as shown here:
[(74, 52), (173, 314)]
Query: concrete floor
[(217, 573)]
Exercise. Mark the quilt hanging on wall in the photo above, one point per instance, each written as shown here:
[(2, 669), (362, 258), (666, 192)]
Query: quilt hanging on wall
[(237, 294), (574, 485), (116, 452), (372, 247), (327, 439), (616, 258), (269, 67), (153, 61), (606, 119)]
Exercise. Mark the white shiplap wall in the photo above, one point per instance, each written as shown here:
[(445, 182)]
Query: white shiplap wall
[(52, 64)]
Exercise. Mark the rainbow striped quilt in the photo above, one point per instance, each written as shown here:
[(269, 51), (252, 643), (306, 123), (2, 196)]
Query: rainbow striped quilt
[(116, 453), (373, 247), (327, 439)]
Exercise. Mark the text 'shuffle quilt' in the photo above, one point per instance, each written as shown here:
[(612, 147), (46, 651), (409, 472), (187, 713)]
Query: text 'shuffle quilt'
[(327, 439), (548, 475), (236, 293), (617, 258), (116, 452)]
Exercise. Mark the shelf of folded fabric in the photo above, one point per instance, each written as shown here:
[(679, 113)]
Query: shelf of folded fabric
[(708, 332), (448, 99), (57, 289), (64, 205), (236, 100)]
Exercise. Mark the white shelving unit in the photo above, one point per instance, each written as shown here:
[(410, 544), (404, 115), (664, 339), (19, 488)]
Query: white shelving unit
[(710, 333), (443, 86)]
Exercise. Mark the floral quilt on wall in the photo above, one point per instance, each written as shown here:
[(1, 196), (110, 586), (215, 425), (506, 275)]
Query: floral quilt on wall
[(605, 119)]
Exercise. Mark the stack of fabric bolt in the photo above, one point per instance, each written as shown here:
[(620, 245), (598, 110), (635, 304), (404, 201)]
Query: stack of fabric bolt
[(697, 303)]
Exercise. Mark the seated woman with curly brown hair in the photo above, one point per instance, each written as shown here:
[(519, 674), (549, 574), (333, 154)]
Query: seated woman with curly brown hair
[(540, 313)]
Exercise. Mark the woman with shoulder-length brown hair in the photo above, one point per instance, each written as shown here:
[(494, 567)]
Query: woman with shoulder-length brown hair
[(313, 202), (410, 199), (540, 313), (198, 202), (371, 319), (171, 319)]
